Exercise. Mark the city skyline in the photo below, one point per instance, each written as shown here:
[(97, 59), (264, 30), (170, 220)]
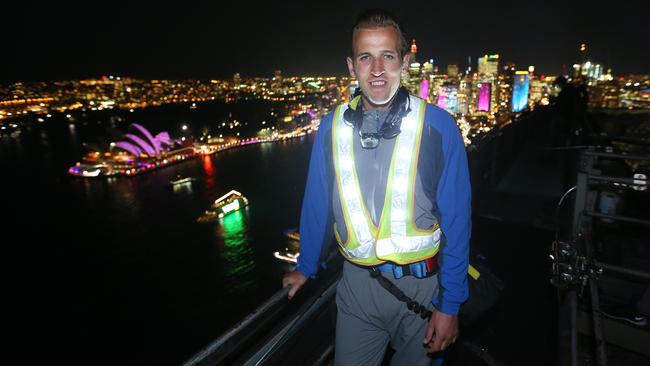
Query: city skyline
[(59, 42)]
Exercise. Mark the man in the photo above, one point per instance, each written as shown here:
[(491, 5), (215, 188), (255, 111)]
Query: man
[(390, 172)]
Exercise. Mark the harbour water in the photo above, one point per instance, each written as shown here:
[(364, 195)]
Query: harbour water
[(118, 271)]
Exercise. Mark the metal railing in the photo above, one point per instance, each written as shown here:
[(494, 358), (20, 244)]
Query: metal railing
[(576, 267), (272, 326)]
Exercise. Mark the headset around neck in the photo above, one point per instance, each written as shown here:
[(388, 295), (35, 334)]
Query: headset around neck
[(389, 129)]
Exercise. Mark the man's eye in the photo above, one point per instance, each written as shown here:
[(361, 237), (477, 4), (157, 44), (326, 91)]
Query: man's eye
[(389, 57), (363, 58)]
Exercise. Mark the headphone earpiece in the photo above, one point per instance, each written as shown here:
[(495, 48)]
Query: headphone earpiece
[(354, 116)]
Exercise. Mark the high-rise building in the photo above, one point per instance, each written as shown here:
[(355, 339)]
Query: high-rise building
[(463, 103), (484, 97), (276, 83), (413, 52), (452, 70), (424, 89), (411, 79), (488, 66), (448, 98), (435, 84), (414, 77), (427, 68), (488, 72), (591, 70), (520, 91), (504, 92), (464, 95), (442, 98), (536, 90)]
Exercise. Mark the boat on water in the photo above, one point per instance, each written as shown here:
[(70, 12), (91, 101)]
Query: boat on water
[(224, 205), (290, 253), (181, 180), (287, 256)]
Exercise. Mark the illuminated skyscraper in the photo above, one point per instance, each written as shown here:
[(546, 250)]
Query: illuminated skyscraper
[(411, 79), (591, 71), (276, 84), (452, 71), (424, 89), (488, 72), (536, 90), (484, 96), (448, 98), (442, 98), (414, 78), (463, 103), (520, 91), (435, 85), (427, 68), (413, 52), (464, 95), (488, 66)]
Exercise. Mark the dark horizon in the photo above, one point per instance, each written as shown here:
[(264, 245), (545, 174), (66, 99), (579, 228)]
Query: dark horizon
[(185, 41)]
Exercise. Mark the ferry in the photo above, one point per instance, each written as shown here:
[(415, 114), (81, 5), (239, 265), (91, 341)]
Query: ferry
[(224, 205), (287, 256), (180, 181)]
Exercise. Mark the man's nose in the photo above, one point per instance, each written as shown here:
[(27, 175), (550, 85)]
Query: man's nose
[(377, 67)]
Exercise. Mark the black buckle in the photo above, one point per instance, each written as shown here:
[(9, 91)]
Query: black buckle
[(406, 270)]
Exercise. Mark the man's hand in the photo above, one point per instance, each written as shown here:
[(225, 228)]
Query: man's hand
[(294, 280), (442, 331)]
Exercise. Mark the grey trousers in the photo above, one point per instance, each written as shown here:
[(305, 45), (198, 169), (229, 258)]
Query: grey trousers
[(369, 317)]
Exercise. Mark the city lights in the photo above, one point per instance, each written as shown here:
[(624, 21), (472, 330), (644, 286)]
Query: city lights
[(482, 95)]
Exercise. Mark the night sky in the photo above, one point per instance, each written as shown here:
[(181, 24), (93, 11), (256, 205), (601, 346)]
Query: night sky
[(213, 40)]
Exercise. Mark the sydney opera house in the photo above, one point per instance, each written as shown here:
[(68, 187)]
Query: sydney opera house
[(138, 152)]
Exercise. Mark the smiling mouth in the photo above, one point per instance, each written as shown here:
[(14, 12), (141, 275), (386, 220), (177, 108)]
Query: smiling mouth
[(378, 83)]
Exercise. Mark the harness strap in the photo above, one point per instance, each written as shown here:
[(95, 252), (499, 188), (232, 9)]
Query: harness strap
[(400, 295)]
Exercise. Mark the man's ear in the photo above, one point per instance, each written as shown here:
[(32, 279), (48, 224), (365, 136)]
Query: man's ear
[(405, 63), (351, 67)]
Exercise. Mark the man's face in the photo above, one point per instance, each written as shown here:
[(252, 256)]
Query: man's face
[(377, 64)]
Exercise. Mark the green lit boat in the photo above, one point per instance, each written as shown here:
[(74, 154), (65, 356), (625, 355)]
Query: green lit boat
[(224, 205)]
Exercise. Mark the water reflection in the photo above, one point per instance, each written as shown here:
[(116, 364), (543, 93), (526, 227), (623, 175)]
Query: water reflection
[(182, 188), (126, 195), (238, 254), (208, 169), (73, 132)]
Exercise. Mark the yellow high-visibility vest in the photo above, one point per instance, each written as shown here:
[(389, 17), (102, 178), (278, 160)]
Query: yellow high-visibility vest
[(397, 239)]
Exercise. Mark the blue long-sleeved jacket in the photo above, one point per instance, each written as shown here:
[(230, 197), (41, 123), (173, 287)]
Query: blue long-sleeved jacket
[(442, 168)]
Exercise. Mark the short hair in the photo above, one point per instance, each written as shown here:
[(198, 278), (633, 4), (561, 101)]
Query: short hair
[(378, 18)]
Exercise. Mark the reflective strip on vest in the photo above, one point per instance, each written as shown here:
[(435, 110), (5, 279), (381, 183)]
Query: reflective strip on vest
[(360, 238), (397, 239)]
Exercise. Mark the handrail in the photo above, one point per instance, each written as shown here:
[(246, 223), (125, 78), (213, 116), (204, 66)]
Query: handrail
[(237, 328), (290, 328), (637, 182), (623, 270), (617, 155), (261, 335), (631, 220)]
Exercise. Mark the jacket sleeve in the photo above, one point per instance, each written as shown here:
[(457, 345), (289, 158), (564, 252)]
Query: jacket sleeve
[(315, 205), (454, 202)]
